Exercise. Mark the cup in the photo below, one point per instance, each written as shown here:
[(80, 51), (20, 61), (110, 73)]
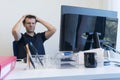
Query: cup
[(90, 60)]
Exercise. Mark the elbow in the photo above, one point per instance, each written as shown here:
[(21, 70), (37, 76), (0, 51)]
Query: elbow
[(16, 35), (54, 30), (14, 31)]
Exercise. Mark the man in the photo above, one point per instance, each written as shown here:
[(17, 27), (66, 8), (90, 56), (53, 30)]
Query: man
[(37, 39)]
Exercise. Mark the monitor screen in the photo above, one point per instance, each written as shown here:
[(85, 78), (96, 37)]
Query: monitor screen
[(75, 26)]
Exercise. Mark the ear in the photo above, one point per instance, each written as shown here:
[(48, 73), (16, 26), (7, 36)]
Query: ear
[(24, 25)]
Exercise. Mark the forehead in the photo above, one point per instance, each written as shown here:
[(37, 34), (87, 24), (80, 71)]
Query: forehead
[(30, 20)]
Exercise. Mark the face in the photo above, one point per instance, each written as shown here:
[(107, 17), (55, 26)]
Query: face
[(30, 25)]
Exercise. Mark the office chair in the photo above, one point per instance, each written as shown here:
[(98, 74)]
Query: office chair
[(19, 51), (15, 51)]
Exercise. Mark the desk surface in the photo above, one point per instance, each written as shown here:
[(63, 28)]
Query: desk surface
[(101, 72)]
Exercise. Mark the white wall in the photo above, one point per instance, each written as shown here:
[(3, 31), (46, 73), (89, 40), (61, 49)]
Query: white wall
[(49, 10)]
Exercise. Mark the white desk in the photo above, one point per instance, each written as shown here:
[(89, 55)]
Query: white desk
[(81, 73)]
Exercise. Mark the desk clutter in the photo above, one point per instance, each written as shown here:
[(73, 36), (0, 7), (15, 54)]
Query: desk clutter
[(67, 60), (59, 61)]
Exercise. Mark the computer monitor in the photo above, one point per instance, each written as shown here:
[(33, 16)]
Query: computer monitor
[(77, 21)]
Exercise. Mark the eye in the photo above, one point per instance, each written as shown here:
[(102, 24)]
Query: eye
[(33, 23), (28, 23)]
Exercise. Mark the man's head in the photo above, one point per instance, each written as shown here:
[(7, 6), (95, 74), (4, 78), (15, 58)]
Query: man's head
[(29, 22)]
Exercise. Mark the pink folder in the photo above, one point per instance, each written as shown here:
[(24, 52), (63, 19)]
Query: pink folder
[(7, 64)]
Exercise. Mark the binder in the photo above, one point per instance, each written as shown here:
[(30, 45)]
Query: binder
[(7, 64)]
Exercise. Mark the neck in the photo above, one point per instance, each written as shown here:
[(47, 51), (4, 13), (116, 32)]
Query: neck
[(31, 34)]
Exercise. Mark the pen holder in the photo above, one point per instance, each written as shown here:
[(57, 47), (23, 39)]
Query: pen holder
[(39, 61)]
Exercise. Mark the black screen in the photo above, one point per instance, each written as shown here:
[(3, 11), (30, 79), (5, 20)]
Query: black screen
[(75, 26)]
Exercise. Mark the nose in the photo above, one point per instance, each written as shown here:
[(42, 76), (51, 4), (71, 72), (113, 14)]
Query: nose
[(31, 24)]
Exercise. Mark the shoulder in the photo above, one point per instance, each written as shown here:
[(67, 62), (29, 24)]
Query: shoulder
[(40, 34)]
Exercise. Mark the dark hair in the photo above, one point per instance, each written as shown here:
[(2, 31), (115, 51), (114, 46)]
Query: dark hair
[(29, 16)]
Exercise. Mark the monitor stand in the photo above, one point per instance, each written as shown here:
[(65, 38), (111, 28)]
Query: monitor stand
[(92, 41)]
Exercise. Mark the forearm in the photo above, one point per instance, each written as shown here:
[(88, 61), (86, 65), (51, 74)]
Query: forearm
[(16, 29), (51, 29), (47, 25)]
